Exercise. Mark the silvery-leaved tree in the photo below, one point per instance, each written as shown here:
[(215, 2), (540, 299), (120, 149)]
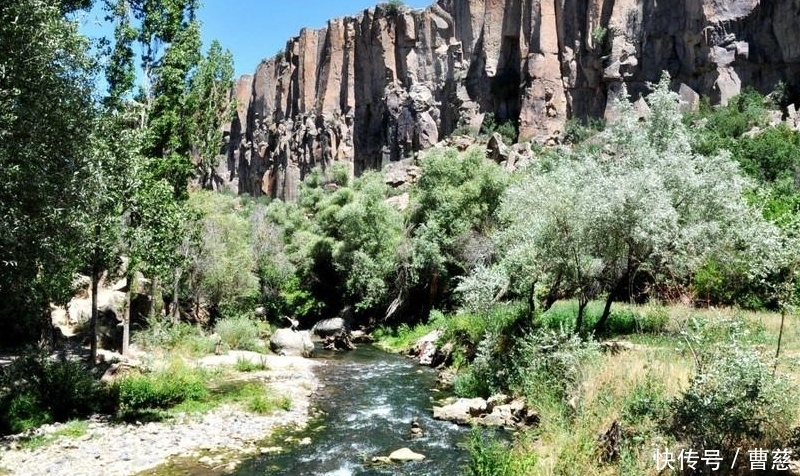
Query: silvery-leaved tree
[(643, 207)]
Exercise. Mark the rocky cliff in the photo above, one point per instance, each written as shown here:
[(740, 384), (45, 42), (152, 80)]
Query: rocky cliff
[(375, 87)]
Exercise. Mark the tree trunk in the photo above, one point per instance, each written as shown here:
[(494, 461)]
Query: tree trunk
[(155, 294), (600, 326), (176, 312), (780, 336), (552, 294), (93, 322), (532, 300), (126, 319), (582, 302)]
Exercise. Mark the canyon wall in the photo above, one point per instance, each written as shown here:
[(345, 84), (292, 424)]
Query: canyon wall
[(378, 86)]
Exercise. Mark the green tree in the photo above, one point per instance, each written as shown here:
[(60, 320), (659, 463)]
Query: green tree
[(210, 101), (46, 118), (170, 39), (367, 232), (120, 70), (453, 207), (222, 272), (645, 206), (99, 215), (153, 220)]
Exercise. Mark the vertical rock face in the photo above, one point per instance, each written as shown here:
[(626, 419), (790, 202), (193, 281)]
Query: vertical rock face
[(378, 86)]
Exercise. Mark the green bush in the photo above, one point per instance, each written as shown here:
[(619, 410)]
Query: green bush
[(577, 131), (506, 129), (734, 401), (647, 401), (394, 8), (246, 365), (255, 397), (599, 35), (490, 457), (23, 412), (160, 389), (165, 334), (266, 404), (35, 390), (635, 320), (550, 364), (401, 338), (238, 332)]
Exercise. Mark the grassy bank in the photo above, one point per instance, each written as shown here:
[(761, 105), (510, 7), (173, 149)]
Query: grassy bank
[(164, 381), (678, 378)]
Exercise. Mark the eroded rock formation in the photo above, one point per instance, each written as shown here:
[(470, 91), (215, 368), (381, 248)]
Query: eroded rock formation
[(380, 85)]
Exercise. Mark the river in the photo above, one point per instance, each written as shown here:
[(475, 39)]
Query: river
[(368, 399)]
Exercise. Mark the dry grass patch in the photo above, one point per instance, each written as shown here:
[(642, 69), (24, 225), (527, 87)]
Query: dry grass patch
[(615, 388)]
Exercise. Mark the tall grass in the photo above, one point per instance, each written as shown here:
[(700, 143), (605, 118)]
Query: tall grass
[(238, 332), (166, 335), (162, 389)]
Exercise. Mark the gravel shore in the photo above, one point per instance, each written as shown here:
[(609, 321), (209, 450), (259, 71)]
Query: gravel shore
[(215, 438)]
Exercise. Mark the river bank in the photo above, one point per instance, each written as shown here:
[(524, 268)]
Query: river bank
[(217, 438)]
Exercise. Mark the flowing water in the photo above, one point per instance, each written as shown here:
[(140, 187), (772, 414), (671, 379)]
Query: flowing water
[(369, 399)]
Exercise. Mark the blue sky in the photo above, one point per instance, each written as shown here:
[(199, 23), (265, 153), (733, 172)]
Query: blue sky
[(256, 29)]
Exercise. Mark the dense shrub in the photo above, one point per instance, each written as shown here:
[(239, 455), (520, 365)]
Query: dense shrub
[(577, 131), (238, 332), (734, 401), (166, 334), (35, 390), (647, 401), (491, 457), (550, 363), (222, 268), (160, 389), (506, 129)]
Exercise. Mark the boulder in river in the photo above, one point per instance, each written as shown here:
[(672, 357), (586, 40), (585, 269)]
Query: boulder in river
[(405, 454), (329, 327), (291, 342)]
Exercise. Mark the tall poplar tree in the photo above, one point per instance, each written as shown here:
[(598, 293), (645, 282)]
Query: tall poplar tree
[(46, 118)]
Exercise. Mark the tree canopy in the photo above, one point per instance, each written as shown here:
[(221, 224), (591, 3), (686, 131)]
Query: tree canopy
[(643, 207)]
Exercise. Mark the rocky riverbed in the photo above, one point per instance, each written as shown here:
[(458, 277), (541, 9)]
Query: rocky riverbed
[(217, 439)]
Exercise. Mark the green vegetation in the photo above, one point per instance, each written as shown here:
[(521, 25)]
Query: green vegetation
[(506, 129), (394, 8), (492, 458), (734, 401), (239, 332), (522, 273), (246, 365), (699, 379), (28, 387), (599, 36), (402, 337), (161, 389), (71, 429)]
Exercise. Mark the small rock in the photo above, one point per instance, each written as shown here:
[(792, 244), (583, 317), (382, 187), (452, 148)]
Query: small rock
[(380, 460), (405, 454), (305, 441)]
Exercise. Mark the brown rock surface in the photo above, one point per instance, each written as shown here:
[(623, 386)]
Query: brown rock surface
[(377, 87)]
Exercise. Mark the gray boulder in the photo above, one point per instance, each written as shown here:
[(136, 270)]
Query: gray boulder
[(461, 411), (498, 411), (291, 342), (329, 327)]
